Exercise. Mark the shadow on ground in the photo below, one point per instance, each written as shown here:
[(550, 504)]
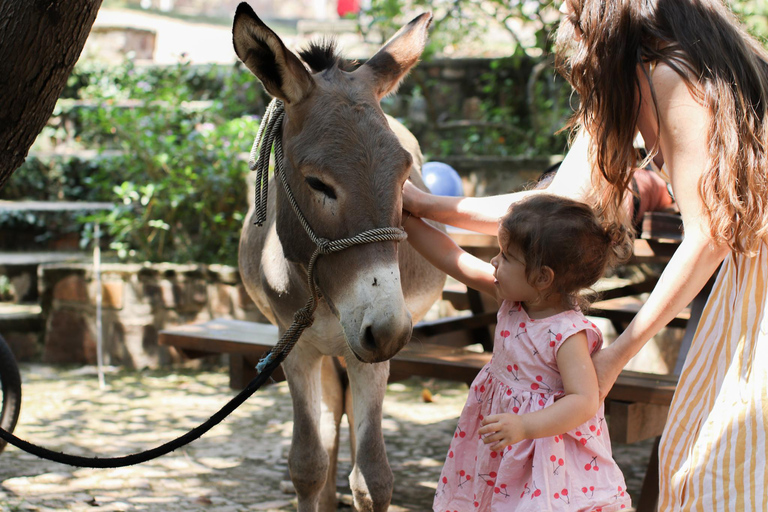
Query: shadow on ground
[(239, 465)]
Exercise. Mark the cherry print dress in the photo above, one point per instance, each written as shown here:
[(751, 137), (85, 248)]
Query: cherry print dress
[(573, 471)]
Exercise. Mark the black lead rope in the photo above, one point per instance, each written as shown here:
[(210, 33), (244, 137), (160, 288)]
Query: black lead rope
[(268, 134), (138, 458)]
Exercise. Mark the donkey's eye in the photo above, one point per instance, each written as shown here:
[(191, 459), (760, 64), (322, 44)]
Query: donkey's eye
[(318, 185)]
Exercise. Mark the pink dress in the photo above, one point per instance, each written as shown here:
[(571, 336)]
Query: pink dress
[(573, 471)]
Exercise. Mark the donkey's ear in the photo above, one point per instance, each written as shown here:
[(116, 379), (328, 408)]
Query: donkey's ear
[(393, 61), (281, 72)]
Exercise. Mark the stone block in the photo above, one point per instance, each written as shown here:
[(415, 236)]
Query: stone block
[(153, 294), (24, 345), (134, 345), (68, 338), (191, 295), (450, 73), (72, 288), (169, 294), (220, 300), (141, 346), (111, 295), (244, 300), (224, 274), (139, 301), (24, 286)]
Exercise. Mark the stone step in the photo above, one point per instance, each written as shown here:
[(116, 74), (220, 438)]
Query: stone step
[(20, 317), (35, 258)]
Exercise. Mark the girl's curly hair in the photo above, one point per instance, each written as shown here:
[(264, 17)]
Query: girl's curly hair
[(566, 236)]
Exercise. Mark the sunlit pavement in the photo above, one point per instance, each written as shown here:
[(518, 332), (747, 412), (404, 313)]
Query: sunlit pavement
[(237, 466)]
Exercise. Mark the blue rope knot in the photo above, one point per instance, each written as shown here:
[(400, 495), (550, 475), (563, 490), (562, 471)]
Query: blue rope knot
[(264, 361)]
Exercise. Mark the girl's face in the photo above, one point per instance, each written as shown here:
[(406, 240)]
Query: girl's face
[(510, 279)]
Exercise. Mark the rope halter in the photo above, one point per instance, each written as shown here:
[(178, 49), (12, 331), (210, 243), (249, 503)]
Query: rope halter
[(269, 135)]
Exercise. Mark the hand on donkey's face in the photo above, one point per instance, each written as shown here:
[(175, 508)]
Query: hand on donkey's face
[(413, 198)]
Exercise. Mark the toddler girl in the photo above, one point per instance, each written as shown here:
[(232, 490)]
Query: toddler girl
[(532, 435)]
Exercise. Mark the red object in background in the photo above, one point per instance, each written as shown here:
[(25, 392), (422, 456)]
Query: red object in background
[(344, 7)]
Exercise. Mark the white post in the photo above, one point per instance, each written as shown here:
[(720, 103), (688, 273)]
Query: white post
[(97, 275)]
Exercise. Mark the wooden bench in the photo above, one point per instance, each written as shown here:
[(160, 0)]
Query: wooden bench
[(636, 397), (246, 342)]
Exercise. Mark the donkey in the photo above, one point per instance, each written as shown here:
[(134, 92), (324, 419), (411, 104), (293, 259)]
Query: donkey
[(346, 162)]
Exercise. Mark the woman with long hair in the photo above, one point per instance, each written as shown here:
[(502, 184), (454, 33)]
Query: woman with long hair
[(689, 78)]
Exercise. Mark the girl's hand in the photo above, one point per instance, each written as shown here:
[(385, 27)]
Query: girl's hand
[(414, 198), (503, 430), (607, 367)]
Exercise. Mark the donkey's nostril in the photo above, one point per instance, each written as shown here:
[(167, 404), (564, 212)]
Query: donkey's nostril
[(369, 341)]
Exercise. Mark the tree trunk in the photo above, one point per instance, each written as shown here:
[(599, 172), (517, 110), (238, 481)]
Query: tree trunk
[(40, 42)]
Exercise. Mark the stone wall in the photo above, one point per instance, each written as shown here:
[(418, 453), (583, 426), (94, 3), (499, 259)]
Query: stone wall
[(138, 301)]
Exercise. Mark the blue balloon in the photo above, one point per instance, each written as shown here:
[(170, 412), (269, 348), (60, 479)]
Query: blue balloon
[(442, 179)]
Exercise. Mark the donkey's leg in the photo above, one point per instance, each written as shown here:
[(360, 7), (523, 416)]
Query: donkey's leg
[(308, 458), (331, 410), (371, 479)]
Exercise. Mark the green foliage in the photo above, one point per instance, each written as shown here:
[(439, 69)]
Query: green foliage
[(754, 14), (459, 23), (173, 143), (180, 193), (517, 106), (181, 173)]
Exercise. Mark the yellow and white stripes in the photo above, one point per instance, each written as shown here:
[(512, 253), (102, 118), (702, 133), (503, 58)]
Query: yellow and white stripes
[(713, 452)]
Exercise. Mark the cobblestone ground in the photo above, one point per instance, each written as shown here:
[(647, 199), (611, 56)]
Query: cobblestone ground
[(237, 466)]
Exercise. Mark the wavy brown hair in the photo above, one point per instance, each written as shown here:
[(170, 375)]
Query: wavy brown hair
[(601, 43)]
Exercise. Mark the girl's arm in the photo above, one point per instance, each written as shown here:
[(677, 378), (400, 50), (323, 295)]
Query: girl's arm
[(683, 140), (443, 253), (482, 213), (579, 404)]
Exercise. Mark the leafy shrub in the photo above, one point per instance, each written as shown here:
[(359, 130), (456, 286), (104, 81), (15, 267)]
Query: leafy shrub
[(172, 141), (172, 144), (181, 173)]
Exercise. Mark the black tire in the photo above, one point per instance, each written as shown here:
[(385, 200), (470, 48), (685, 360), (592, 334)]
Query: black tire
[(10, 390)]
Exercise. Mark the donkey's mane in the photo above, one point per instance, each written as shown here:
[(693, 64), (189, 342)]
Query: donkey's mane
[(322, 55)]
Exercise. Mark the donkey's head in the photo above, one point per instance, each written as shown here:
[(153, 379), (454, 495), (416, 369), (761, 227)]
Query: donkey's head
[(346, 168)]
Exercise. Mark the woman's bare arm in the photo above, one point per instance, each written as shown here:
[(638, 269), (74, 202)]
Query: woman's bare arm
[(442, 252), (479, 214), (482, 214)]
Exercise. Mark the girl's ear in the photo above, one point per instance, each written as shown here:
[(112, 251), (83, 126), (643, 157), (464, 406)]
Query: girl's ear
[(545, 278)]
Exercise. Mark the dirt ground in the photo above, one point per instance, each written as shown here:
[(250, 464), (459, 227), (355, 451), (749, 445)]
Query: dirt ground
[(240, 465)]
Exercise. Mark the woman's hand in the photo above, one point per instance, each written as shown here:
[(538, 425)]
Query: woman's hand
[(502, 430), (414, 199), (608, 366)]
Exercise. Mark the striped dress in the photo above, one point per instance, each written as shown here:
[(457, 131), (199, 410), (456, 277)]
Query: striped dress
[(713, 452)]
